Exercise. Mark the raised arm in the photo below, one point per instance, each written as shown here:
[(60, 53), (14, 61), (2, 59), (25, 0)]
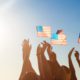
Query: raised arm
[(51, 54), (40, 62), (27, 67), (77, 57), (73, 74), (70, 61), (44, 68)]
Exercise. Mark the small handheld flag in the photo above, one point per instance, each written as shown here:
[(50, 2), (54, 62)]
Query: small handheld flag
[(79, 38), (44, 31), (58, 38)]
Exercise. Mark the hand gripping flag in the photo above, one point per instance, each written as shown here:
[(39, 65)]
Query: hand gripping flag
[(44, 31), (58, 38), (79, 38)]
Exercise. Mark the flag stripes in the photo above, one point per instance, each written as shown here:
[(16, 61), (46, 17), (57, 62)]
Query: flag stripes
[(43, 31)]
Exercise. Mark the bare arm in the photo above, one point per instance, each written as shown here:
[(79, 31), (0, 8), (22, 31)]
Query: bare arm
[(51, 54), (40, 62), (27, 67), (77, 57), (73, 74), (70, 61), (44, 67)]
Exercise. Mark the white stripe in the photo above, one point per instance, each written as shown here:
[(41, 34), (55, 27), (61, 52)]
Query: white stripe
[(42, 34), (61, 36), (59, 42), (46, 28)]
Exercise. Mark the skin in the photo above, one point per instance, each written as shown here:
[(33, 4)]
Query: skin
[(44, 68), (56, 72), (27, 67), (49, 69), (60, 72), (77, 57), (72, 69)]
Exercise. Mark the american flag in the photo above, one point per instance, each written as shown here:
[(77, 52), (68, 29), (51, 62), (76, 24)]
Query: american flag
[(58, 38), (43, 31), (79, 38)]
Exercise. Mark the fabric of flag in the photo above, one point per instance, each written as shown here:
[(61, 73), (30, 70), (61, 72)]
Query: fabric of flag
[(54, 36), (79, 38), (58, 38), (43, 31)]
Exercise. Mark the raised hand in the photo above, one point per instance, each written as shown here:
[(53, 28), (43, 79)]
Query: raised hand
[(77, 57), (49, 47), (44, 67), (27, 66), (44, 46), (41, 48), (51, 54), (71, 66), (26, 49), (70, 53)]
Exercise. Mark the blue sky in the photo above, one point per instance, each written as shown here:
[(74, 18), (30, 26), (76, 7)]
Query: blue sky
[(18, 20)]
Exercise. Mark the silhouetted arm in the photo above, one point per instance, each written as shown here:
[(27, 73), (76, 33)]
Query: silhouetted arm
[(70, 61), (77, 57), (51, 54), (27, 67), (73, 74), (44, 68), (41, 66)]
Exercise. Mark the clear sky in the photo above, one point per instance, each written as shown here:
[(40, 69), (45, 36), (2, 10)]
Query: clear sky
[(18, 20)]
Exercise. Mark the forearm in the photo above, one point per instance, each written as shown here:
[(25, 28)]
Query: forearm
[(41, 66), (44, 68), (27, 67), (78, 61), (70, 61), (22, 72), (52, 56), (71, 65)]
